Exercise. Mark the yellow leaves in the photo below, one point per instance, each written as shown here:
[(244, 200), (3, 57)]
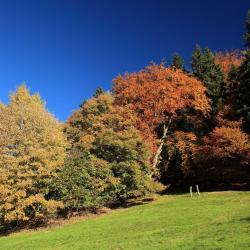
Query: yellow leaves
[(2, 107), (20, 208), (7, 206), (98, 114), (32, 148), (114, 181), (86, 141), (20, 193), (15, 215)]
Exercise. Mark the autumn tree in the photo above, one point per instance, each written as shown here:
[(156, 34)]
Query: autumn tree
[(32, 149), (224, 156), (228, 61), (235, 143), (157, 95)]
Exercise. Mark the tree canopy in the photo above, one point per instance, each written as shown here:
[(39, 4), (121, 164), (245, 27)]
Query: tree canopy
[(161, 127), (32, 149)]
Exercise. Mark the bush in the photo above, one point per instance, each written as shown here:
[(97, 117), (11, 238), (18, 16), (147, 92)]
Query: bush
[(83, 183)]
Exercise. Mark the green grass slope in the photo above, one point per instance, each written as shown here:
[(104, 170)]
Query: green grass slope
[(219, 220)]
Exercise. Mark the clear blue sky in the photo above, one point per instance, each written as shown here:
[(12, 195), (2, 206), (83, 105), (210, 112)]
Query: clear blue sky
[(65, 49)]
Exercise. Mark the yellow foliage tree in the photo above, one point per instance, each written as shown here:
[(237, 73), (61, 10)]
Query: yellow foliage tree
[(32, 148)]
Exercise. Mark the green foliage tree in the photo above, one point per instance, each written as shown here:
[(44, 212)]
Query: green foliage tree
[(98, 92), (205, 69), (247, 35), (108, 133), (244, 89), (32, 149), (83, 183), (128, 157), (243, 78), (177, 61)]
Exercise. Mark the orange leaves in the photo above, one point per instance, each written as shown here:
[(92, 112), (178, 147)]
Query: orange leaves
[(185, 144), (225, 116), (226, 142), (157, 93), (228, 59)]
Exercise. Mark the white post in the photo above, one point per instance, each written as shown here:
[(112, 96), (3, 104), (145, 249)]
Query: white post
[(197, 188), (191, 191)]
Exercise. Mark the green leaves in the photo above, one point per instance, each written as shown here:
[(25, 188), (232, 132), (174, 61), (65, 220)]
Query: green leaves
[(247, 35), (205, 69), (244, 89), (177, 61), (82, 183), (108, 134)]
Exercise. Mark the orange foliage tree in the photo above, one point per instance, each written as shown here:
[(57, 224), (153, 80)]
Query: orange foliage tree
[(157, 94), (227, 60), (225, 152), (226, 142)]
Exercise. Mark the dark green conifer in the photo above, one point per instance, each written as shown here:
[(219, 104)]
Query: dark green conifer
[(177, 61), (244, 80), (247, 35), (98, 92), (205, 69)]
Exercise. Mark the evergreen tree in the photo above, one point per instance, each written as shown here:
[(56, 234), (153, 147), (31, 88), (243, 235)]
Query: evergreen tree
[(98, 92), (247, 35), (177, 61), (197, 62), (244, 80), (244, 88), (205, 69), (231, 90)]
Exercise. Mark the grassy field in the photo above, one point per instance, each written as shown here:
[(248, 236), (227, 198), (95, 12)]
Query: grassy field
[(219, 220)]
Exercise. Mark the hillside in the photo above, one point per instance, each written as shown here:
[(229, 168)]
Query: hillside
[(218, 220)]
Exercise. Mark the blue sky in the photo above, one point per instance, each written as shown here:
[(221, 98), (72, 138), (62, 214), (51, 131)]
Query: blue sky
[(66, 49)]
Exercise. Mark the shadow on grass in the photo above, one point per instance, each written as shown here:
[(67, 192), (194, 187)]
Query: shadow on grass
[(10, 229), (182, 190), (246, 219), (131, 203), (7, 230)]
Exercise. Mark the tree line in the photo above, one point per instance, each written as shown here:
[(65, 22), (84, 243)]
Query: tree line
[(162, 126)]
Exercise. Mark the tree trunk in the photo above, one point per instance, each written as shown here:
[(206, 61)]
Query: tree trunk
[(158, 152)]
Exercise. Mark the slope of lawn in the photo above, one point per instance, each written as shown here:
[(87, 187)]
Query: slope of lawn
[(219, 220)]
